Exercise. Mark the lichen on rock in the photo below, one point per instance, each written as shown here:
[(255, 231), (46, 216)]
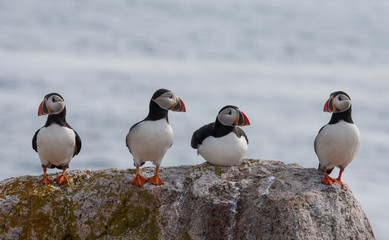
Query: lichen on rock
[(256, 199)]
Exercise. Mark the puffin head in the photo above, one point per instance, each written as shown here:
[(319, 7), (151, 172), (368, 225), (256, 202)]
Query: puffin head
[(53, 103), (168, 100), (338, 102), (232, 116)]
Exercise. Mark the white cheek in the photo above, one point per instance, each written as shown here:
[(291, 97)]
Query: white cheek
[(164, 103), (56, 107), (343, 105), (226, 119), (336, 102)]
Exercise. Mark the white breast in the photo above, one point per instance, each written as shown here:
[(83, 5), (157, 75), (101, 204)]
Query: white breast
[(226, 151), (149, 141), (56, 145), (337, 144)]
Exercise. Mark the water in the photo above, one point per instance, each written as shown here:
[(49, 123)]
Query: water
[(278, 61)]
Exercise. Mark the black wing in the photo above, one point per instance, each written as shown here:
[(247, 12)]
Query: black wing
[(239, 132), (127, 142), (77, 148), (320, 167), (314, 143), (129, 133), (135, 124), (34, 146), (202, 133)]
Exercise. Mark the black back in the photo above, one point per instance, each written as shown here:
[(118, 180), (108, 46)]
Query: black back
[(217, 130), (155, 111)]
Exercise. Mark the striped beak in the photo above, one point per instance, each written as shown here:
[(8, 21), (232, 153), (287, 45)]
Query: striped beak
[(243, 120), (42, 110), (178, 106), (328, 105)]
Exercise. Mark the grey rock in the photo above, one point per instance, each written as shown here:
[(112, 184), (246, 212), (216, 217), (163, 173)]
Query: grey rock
[(257, 199)]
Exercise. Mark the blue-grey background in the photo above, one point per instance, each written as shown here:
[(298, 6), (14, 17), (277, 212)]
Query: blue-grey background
[(277, 60)]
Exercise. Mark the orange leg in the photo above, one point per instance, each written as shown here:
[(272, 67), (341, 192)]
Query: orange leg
[(62, 179), (155, 179), (327, 179), (45, 179), (138, 179), (338, 180)]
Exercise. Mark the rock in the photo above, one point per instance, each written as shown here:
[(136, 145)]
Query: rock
[(255, 200)]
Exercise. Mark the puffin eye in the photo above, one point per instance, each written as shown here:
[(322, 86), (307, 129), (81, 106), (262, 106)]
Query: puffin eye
[(229, 112), (53, 99)]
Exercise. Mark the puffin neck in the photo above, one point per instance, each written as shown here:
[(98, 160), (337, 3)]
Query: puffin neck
[(156, 112), (59, 118), (222, 130), (345, 116)]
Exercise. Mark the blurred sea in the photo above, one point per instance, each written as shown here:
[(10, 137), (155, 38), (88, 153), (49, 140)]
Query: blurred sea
[(277, 60)]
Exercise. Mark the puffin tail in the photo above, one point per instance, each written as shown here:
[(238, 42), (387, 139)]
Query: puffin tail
[(329, 169)]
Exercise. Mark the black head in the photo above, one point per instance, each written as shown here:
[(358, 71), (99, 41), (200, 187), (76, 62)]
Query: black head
[(338, 102), (231, 116), (168, 100), (53, 103), (161, 102)]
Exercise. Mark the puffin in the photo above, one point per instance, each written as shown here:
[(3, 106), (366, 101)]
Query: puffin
[(222, 142), (149, 139), (56, 142), (338, 141)]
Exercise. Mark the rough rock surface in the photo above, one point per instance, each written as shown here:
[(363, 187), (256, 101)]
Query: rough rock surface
[(255, 200)]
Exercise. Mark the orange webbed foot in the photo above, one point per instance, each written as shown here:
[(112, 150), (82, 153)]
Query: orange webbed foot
[(139, 180), (61, 180), (338, 180), (341, 184), (45, 180), (156, 180), (327, 180)]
